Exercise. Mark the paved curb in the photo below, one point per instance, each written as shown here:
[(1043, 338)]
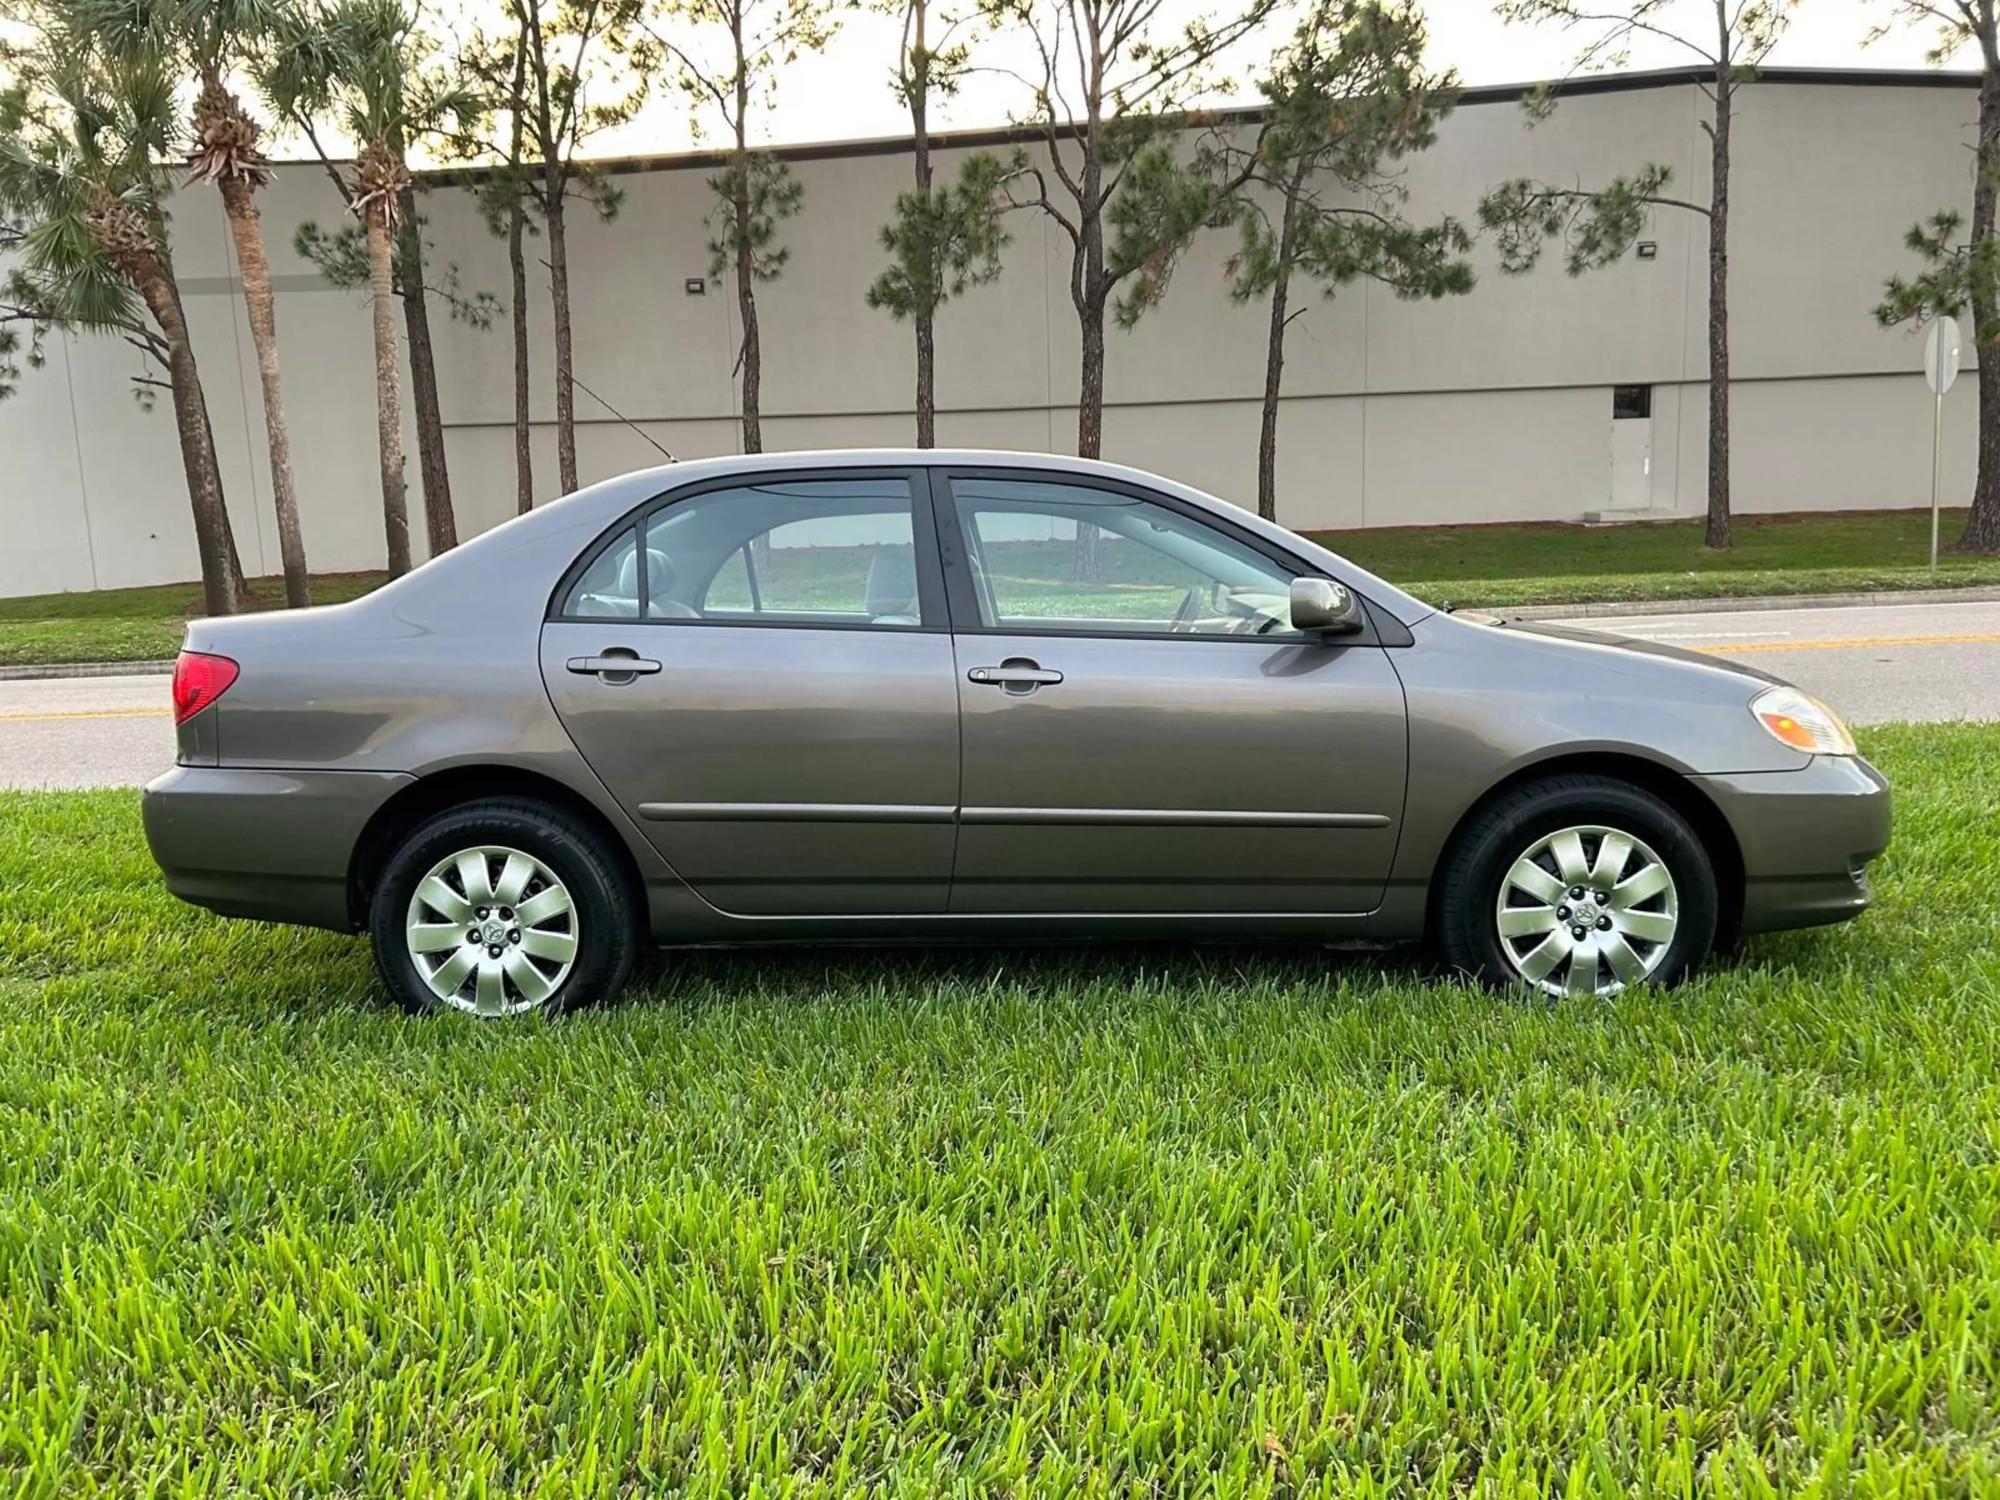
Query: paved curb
[(1605, 609), (87, 669)]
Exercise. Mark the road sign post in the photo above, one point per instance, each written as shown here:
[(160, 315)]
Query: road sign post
[(1941, 351)]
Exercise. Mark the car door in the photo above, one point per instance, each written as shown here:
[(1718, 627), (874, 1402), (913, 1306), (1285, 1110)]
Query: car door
[(1143, 731), (761, 672)]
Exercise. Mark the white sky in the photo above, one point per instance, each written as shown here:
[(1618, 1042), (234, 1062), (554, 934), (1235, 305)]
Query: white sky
[(843, 93)]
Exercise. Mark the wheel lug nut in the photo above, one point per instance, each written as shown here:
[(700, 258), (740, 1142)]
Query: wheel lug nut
[(514, 935), (493, 951), (1604, 924), (481, 913), (1576, 932), (1562, 913), (472, 936)]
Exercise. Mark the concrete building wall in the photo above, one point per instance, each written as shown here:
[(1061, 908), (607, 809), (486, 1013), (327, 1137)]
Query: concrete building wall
[(1495, 406)]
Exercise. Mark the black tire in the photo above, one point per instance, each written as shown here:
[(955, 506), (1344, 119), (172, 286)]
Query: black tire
[(1500, 833), (606, 910)]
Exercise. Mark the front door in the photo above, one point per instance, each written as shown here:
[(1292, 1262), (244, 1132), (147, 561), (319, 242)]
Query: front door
[(762, 675), (1144, 732)]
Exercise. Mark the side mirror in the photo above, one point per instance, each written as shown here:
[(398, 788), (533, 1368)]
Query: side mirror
[(1324, 607)]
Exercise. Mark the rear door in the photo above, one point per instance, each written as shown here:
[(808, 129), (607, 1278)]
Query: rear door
[(762, 674), (1143, 730)]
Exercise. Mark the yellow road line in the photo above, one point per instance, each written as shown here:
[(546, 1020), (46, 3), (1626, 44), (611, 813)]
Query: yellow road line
[(1850, 644), (90, 713)]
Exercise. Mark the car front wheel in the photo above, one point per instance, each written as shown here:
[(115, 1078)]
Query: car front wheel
[(1578, 886), (499, 908)]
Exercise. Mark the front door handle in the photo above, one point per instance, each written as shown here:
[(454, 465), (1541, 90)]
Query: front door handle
[(617, 665), (1015, 676)]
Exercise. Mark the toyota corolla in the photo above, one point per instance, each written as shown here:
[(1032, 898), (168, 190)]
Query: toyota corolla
[(914, 696)]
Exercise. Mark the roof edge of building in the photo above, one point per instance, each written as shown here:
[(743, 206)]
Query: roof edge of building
[(1007, 135)]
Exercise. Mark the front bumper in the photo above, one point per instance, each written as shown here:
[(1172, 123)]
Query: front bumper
[(1806, 836), (275, 845)]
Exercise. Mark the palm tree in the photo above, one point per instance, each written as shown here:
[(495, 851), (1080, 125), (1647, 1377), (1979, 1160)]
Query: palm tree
[(213, 33), (85, 136), (353, 60)]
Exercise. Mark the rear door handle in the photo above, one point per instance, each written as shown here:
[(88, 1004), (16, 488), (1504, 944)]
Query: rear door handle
[(1012, 675), (624, 665)]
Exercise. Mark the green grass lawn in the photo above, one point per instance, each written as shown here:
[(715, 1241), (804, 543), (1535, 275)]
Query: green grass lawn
[(142, 624), (1126, 1222), (1469, 565), (1519, 565)]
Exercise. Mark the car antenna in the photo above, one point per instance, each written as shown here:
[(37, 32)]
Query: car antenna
[(622, 417)]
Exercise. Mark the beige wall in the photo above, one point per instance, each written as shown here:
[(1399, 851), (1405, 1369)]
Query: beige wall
[(1490, 407)]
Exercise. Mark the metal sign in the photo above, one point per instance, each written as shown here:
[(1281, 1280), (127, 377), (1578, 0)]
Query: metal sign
[(1940, 370), (1941, 352)]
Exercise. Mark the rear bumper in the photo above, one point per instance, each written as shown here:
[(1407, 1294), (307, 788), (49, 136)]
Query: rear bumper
[(1807, 837), (275, 845)]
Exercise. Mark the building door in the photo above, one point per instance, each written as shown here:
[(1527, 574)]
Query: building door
[(1631, 447)]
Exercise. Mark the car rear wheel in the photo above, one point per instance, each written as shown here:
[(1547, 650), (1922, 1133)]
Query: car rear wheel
[(1578, 886), (499, 908)]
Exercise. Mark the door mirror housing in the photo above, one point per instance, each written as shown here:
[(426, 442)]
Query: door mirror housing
[(1324, 607)]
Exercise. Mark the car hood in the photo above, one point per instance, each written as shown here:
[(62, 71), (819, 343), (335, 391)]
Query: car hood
[(1626, 643)]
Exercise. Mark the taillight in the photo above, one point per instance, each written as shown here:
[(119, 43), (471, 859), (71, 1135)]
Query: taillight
[(199, 679)]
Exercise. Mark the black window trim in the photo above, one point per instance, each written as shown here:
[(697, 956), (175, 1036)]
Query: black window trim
[(932, 606), (962, 598)]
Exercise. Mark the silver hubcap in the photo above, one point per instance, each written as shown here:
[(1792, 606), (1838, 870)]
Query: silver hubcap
[(1587, 911), (492, 931)]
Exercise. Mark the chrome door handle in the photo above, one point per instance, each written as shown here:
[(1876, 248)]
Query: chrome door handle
[(1014, 676), (612, 665)]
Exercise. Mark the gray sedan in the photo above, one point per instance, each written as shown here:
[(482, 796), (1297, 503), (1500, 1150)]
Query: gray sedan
[(907, 696)]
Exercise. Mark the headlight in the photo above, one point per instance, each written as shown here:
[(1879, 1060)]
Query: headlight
[(1802, 721)]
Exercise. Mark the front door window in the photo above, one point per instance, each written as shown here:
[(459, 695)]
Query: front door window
[(1051, 556)]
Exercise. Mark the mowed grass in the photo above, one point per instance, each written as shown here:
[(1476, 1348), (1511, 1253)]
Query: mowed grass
[(1469, 565), (140, 624), (1552, 564), (1132, 1222)]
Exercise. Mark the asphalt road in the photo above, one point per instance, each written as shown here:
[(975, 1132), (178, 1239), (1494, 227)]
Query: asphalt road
[(1872, 664), (84, 731), (1920, 662)]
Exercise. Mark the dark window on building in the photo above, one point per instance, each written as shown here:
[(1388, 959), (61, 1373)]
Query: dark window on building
[(1631, 401)]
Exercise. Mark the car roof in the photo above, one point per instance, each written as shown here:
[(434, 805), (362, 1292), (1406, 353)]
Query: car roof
[(557, 524)]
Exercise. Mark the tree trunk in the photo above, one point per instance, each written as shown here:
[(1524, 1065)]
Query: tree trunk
[(440, 525), (752, 357), (926, 380), (1982, 526), (1274, 376), (753, 348), (388, 390), (524, 456), (565, 364), (239, 585), (1718, 323), (1274, 361), (1089, 431), (1090, 384), (239, 203), (918, 77), (221, 576), (517, 269)]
